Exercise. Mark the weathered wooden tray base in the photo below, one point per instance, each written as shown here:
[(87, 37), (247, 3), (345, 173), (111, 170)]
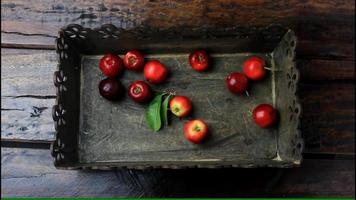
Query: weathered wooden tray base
[(118, 131)]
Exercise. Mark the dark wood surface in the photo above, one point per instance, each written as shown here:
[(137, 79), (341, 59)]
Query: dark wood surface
[(29, 172), (325, 57)]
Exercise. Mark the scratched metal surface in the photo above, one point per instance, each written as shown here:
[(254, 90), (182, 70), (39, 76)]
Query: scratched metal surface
[(118, 131)]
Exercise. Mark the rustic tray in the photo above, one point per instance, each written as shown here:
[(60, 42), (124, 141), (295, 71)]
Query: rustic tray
[(95, 133)]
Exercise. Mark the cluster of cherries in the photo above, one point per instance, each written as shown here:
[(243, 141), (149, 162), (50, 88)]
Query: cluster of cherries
[(264, 115), (112, 65), (140, 91), (155, 73)]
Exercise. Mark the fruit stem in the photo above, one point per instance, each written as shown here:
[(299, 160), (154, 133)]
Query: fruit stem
[(201, 58), (267, 68), (247, 94), (137, 90), (132, 60), (176, 110)]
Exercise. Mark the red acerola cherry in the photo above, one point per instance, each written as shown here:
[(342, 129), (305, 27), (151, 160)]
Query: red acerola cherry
[(199, 60), (264, 115), (254, 68), (155, 72), (134, 60), (237, 82), (140, 91), (111, 65), (195, 130), (180, 106), (111, 89)]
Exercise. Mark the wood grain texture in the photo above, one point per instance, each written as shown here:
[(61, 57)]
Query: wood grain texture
[(49, 16), (327, 122), (314, 21), (30, 173), (27, 72), (27, 118), (330, 50), (27, 94), (325, 70)]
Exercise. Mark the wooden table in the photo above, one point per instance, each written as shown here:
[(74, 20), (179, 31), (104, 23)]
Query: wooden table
[(325, 57)]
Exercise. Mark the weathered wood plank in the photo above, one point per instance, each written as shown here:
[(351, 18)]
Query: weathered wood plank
[(47, 17), (30, 173), (317, 69), (27, 72), (27, 118), (314, 22), (330, 50), (328, 109), (33, 172), (328, 122), (27, 94)]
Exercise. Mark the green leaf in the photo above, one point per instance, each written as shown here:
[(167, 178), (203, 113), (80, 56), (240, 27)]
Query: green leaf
[(164, 109), (153, 114)]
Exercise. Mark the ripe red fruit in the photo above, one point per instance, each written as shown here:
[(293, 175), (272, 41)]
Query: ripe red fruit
[(155, 72), (111, 89), (134, 60), (254, 68), (199, 60), (111, 65), (195, 130), (264, 115), (180, 106), (237, 82), (140, 91)]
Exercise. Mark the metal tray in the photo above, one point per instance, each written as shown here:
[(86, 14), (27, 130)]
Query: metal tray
[(98, 134)]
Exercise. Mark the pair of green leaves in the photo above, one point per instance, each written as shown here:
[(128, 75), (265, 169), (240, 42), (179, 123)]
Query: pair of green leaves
[(156, 113)]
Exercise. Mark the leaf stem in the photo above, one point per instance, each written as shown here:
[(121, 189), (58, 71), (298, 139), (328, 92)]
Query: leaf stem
[(170, 92)]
